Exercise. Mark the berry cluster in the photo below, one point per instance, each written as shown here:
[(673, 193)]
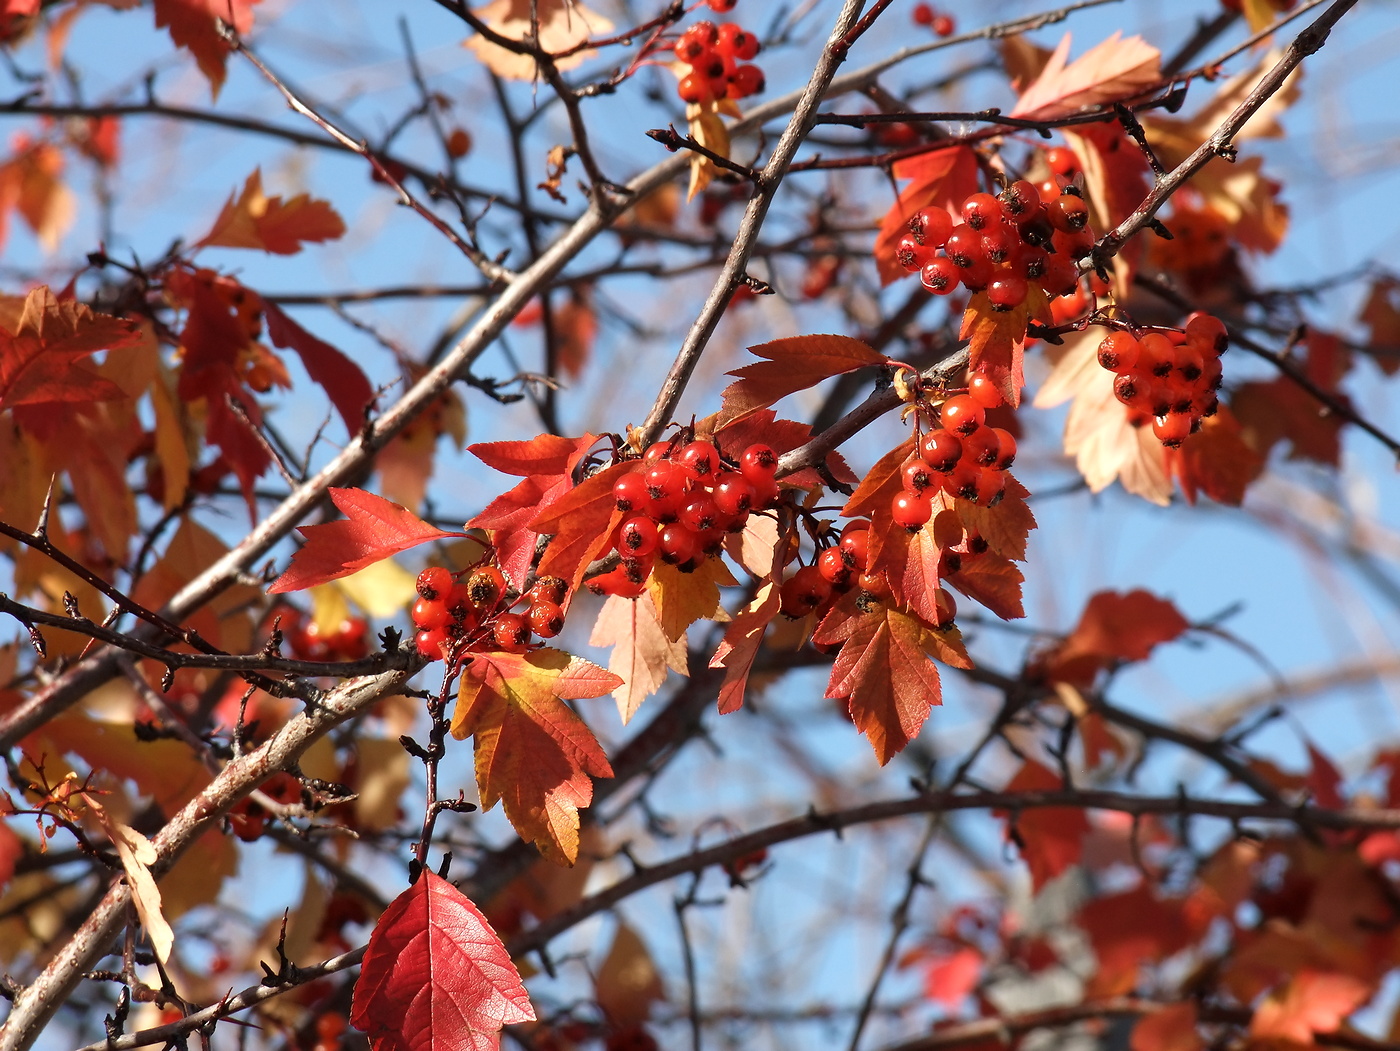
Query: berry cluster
[(939, 21), (309, 641), (249, 817), (1002, 244), (456, 615), (1169, 377), (835, 570), (681, 499), (718, 58), (963, 457)]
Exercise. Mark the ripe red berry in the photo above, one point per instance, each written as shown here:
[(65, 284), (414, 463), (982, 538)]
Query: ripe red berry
[(700, 457), (434, 582), (804, 591), (1006, 449), (737, 42), (923, 14), (1020, 201), (979, 275), (677, 545), (916, 475), (982, 210), (961, 415), (665, 478), (1156, 355), (546, 618), (485, 586), (734, 494), (1119, 352), (1061, 276), (705, 31), (700, 514), (941, 277), (511, 632), (1068, 212), (1007, 291), (637, 536), (1062, 161), (982, 447), (694, 89), (759, 463), (991, 485), (630, 491), (931, 226), (911, 511), (964, 246), (690, 49), (549, 589), (855, 544), (944, 25), (984, 391), (721, 6), (873, 584), (1207, 332), (945, 606), (999, 242), (430, 613), (911, 255), (1172, 430), (617, 582), (833, 568), (962, 481), (941, 450), (432, 644), (746, 81)]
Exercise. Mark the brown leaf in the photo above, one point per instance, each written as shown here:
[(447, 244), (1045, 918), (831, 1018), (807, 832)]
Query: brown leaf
[(254, 220), (1051, 838), (628, 982), (792, 364), (1381, 316)]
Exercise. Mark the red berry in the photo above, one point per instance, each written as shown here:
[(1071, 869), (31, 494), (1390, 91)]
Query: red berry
[(700, 513), (617, 582), (923, 14), (1007, 291), (546, 618), (946, 608), (1118, 352), (944, 25), (916, 475), (511, 632), (434, 582), (1207, 332), (1006, 449), (1020, 201), (1032, 263), (873, 584), (700, 457), (931, 226), (1062, 161), (1156, 355), (665, 478), (485, 586), (656, 451), (432, 644), (911, 255), (630, 491), (991, 485), (804, 591), (1172, 430), (690, 49), (678, 545), (911, 511), (999, 242), (962, 481), (721, 6), (984, 391), (833, 568), (430, 613), (855, 544), (977, 276), (746, 81), (637, 536), (759, 463), (941, 450), (964, 246), (734, 494), (737, 42), (549, 589), (941, 277), (1068, 212), (1061, 276), (982, 447), (961, 415), (981, 210), (694, 89), (705, 32)]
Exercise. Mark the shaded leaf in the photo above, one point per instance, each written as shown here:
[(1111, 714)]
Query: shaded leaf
[(739, 647), (349, 388), (533, 752), (43, 342), (993, 581), (1216, 461), (192, 25), (1114, 627), (628, 982), (435, 975), (1051, 838)]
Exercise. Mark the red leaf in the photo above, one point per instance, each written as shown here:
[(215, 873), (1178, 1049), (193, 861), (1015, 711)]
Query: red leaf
[(793, 364), (436, 975), (1127, 931), (372, 530), (349, 389), (884, 672), (1005, 527), (42, 344), (949, 979), (1215, 461), (1173, 1028), (192, 25), (1113, 627), (1051, 838), (545, 454), (581, 521), (739, 647), (993, 581), (941, 178)]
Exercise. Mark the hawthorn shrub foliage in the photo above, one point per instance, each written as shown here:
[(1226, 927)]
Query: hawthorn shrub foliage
[(184, 700)]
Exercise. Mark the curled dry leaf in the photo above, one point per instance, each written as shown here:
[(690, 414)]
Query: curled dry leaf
[(563, 25), (137, 855)]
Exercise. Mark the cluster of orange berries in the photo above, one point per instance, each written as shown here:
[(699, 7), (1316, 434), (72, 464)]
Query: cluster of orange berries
[(456, 615), (309, 641), (835, 570), (1169, 377), (1003, 244), (718, 57), (941, 22), (681, 499), (961, 456)]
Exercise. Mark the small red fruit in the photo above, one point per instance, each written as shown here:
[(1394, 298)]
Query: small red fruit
[(961, 415), (911, 511)]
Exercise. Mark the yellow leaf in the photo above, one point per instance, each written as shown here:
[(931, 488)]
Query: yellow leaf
[(683, 598), (381, 590), (709, 131)]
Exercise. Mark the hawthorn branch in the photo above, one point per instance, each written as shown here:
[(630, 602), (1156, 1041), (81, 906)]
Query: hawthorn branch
[(1306, 43)]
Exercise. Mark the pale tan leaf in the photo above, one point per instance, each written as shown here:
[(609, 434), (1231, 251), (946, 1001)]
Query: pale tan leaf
[(1114, 69), (383, 772), (641, 652), (709, 131), (564, 24), (137, 855), (628, 982)]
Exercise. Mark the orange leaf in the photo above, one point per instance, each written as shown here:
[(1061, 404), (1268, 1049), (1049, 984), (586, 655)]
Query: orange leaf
[(372, 530), (1312, 1002), (793, 364), (1381, 316), (683, 598), (880, 483), (254, 220), (42, 342), (1051, 838), (533, 752), (581, 522), (884, 672), (563, 25), (192, 25), (1216, 461), (1115, 69), (941, 178), (993, 581), (1005, 527), (1113, 627), (997, 339), (436, 975), (742, 639), (1173, 1028), (641, 652)]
